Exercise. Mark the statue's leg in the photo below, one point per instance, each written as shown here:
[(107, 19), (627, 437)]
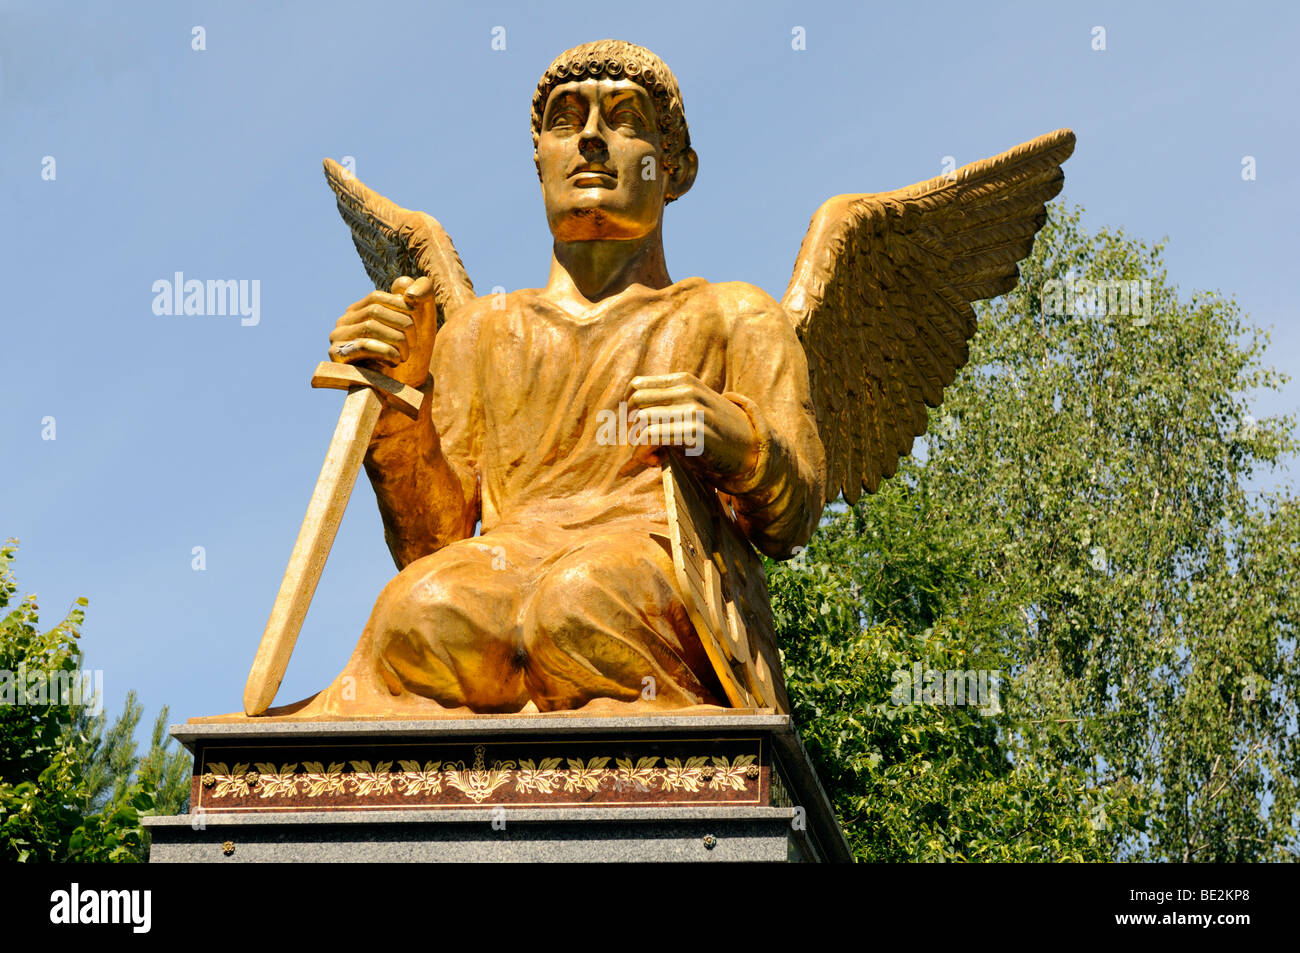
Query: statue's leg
[(607, 621), (442, 635)]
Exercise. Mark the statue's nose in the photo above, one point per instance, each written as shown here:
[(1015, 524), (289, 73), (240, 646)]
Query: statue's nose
[(591, 144)]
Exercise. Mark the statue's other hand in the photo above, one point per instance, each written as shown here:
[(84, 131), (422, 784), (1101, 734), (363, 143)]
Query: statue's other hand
[(680, 410), (391, 332)]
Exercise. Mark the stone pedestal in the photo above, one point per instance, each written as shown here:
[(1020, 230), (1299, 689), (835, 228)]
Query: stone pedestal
[(727, 787)]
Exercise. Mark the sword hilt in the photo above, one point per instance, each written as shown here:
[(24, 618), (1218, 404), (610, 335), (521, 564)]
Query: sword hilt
[(393, 393)]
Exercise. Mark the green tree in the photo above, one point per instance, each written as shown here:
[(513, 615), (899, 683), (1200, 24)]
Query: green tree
[(71, 789), (114, 772), (1077, 518), (113, 768)]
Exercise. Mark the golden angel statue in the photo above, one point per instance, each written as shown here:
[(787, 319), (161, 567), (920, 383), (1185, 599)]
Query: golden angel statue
[(627, 444)]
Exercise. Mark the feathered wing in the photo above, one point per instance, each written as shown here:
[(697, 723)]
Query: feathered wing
[(393, 241), (881, 297)]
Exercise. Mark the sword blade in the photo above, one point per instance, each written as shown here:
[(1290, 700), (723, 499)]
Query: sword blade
[(329, 500)]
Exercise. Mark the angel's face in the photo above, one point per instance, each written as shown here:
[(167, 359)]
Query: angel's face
[(599, 158)]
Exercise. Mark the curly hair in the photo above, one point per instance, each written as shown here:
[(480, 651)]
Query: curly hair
[(616, 59)]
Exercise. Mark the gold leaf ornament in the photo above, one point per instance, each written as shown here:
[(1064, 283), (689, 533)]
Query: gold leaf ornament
[(686, 776), (586, 776), (320, 780), (541, 779), (415, 780), (229, 783), (368, 781), (731, 774), (639, 776), (273, 783)]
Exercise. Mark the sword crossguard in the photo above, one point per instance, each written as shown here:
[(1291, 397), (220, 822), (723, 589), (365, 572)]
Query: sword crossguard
[(394, 394)]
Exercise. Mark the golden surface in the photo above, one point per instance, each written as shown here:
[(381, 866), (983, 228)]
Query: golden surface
[(617, 573)]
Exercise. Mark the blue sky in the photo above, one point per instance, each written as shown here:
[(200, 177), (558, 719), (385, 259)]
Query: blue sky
[(173, 432)]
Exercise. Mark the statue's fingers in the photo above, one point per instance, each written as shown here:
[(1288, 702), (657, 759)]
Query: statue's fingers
[(676, 434), (395, 302), (667, 420), (342, 334), (397, 321), (379, 325), (376, 330), (366, 349), (401, 283), (649, 435), (422, 287), (653, 381), (655, 397), (667, 412)]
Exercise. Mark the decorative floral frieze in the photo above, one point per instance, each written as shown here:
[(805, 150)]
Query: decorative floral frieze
[(551, 777)]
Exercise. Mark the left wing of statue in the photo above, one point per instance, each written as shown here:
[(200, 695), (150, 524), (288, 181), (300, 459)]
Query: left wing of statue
[(394, 241), (881, 298)]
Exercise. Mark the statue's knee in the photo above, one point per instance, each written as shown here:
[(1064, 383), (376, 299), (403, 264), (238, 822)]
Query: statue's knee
[(562, 603), (419, 599), (593, 614), (431, 598)]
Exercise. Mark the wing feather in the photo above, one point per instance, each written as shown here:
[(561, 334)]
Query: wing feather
[(882, 290)]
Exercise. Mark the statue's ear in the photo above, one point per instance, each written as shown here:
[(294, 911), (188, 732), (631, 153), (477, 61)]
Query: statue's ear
[(684, 177)]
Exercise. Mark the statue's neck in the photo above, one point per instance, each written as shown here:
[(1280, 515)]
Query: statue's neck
[(583, 273)]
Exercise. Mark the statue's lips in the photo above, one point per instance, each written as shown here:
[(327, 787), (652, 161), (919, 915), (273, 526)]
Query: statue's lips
[(591, 178)]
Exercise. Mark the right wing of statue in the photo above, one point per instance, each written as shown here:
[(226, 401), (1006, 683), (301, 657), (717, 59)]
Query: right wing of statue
[(881, 298), (393, 241)]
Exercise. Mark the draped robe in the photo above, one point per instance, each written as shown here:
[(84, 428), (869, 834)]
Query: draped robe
[(568, 593)]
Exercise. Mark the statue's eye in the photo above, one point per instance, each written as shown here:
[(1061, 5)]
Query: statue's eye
[(626, 117), (567, 115)]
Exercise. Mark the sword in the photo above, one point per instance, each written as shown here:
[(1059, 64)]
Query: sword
[(368, 393)]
